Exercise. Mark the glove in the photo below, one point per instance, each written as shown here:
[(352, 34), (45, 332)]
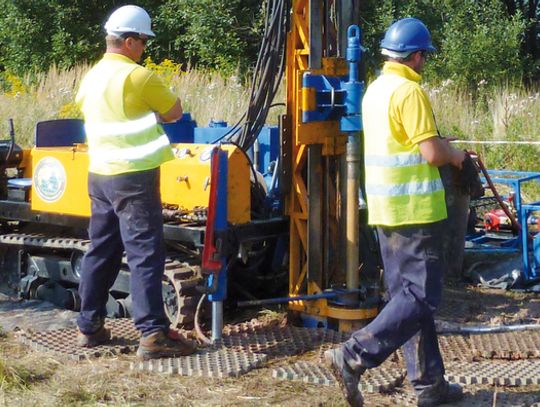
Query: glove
[(467, 180)]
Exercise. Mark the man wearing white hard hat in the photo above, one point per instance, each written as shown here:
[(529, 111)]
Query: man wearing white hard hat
[(123, 103)]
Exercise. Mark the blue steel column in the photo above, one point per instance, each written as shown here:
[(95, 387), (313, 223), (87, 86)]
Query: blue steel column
[(220, 227)]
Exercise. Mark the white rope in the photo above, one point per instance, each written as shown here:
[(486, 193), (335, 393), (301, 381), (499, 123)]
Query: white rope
[(537, 143)]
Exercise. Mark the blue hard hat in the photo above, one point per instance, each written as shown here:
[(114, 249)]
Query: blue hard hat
[(407, 35)]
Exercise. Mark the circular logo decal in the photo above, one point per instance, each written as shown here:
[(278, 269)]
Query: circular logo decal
[(49, 179)]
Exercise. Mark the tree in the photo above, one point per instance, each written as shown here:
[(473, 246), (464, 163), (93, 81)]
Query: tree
[(37, 33), (480, 43), (529, 10), (477, 39), (218, 34)]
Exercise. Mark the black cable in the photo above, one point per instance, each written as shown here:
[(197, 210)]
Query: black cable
[(236, 128), (268, 71)]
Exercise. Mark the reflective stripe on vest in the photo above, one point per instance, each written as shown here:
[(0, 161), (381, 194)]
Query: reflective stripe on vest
[(136, 153), (121, 128), (118, 144), (402, 188), (410, 188)]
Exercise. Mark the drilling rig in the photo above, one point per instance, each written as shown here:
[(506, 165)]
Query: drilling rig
[(253, 214)]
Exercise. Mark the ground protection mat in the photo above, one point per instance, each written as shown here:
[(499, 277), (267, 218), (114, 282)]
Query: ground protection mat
[(495, 372), (208, 362), (508, 345), (244, 347), (63, 342), (378, 380)]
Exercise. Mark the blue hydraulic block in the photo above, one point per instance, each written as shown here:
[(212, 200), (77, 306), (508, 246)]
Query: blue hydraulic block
[(268, 139), (329, 98), (338, 98)]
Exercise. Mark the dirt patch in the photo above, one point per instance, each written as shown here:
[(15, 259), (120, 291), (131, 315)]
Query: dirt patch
[(467, 304)]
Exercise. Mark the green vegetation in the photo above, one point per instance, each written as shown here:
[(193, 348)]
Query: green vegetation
[(205, 94), (478, 40), (510, 113), (17, 377), (490, 40), (483, 81), (218, 34)]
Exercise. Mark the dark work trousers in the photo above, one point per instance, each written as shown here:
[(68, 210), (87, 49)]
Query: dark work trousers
[(413, 271), (126, 214)]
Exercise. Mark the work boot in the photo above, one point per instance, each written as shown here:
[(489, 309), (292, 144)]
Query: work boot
[(440, 393), (101, 336), (347, 378), (160, 345)]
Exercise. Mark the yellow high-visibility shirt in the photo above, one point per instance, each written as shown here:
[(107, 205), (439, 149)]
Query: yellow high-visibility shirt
[(402, 188), (119, 100), (144, 91)]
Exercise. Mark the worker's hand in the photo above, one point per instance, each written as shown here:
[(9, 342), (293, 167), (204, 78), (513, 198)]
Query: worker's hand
[(467, 180), (456, 157), (437, 151)]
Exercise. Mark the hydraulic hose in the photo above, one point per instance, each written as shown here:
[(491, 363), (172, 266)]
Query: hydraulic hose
[(198, 331)]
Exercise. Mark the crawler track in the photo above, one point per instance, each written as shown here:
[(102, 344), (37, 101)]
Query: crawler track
[(179, 286)]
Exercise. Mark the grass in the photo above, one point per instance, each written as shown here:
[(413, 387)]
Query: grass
[(109, 382), (17, 374), (45, 96), (504, 113)]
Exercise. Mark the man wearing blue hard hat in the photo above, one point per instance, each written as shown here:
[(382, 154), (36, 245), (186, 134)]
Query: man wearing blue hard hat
[(406, 202)]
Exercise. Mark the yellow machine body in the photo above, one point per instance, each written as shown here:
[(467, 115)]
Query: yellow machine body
[(60, 180)]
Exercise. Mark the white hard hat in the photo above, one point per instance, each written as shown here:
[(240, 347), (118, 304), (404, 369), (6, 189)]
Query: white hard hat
[(129, 19)]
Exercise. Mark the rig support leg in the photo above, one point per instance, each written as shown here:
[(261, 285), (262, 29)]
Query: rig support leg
[(217, 320)]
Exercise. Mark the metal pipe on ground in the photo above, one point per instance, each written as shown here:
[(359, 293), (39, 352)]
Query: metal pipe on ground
[(449, 328)]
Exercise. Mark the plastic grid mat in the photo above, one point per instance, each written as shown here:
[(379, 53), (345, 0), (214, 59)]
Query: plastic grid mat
[(455, 348), (244, 347), (503, 373), (209, 362), (277, 341), (376, 380), (125, 339), (508, 345)]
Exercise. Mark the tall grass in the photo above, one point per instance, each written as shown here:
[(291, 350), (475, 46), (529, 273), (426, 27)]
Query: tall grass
[(505, 113), (36, 98), (206, 95)]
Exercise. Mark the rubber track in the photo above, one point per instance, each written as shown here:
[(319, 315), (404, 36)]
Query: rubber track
[(183, 277)]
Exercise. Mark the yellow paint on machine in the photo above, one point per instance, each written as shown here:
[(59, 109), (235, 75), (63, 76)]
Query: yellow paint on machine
[(73, 200), (185, 181)]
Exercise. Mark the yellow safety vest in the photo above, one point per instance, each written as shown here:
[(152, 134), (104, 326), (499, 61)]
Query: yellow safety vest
[(118, 144), (402, 188)]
